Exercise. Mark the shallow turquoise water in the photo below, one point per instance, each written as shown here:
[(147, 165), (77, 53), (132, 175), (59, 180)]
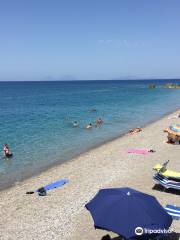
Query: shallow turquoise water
[(36, 118)]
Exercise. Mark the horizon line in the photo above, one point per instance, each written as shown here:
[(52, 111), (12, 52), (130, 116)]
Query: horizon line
[(83, 80)]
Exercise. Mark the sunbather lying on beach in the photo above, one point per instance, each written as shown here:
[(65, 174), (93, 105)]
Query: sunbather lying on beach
[(135, 130)]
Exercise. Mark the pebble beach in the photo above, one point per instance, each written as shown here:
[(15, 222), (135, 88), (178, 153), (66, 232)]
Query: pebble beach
[(61, 214)]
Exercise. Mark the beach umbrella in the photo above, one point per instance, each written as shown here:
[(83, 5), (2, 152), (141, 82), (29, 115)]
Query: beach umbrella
[(126, 211), (175, 128)]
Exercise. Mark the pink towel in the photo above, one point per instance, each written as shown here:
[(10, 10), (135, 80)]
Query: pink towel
[(138, 151)]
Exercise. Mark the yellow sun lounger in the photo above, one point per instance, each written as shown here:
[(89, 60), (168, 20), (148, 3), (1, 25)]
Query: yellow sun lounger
[(165, 172)]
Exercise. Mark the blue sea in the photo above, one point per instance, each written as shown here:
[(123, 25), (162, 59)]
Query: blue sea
[(36, 119)]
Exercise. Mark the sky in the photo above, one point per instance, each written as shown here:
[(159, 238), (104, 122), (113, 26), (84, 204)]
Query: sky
[(89, 39)]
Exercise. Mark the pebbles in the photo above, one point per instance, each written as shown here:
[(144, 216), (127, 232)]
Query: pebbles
[(61, 214)]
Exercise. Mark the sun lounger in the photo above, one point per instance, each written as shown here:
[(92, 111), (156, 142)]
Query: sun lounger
[(161, 169), (166, 183), (174, 211), (166, 180)]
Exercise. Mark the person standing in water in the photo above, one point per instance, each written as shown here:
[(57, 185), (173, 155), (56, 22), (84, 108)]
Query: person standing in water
[(6, 151), (99, 121)]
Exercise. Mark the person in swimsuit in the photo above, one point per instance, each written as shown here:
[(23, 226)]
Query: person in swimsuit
[(135, 130), (6, 151), (99, 121)]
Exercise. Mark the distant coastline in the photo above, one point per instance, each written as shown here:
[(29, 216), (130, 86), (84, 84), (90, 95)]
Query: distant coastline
[(171, 85), (167, 85)]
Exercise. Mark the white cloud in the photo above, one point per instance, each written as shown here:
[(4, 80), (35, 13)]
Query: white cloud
[(121, 43)]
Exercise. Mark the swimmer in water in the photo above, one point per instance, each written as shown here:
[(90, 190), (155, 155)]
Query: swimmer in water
[(75, 124), (93, 110), (89, 126)]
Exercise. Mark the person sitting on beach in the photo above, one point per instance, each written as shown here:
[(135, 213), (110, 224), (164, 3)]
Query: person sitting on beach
[(89, 126), (75, 124), (99, 121), (6, 151)]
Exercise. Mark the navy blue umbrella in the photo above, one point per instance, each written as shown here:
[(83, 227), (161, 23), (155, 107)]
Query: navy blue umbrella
[(122, 210)]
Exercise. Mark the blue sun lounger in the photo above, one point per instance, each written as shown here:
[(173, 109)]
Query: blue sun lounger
[(174, 211), (166, 183)]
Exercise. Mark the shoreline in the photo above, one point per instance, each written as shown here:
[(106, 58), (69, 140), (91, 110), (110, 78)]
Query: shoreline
[(44, 169), (61, 214)]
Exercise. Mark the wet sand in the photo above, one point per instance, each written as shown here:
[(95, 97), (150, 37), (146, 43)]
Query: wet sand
[(61, 214)]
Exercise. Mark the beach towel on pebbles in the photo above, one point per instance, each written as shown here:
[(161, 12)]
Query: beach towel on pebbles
[(138, 151)]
